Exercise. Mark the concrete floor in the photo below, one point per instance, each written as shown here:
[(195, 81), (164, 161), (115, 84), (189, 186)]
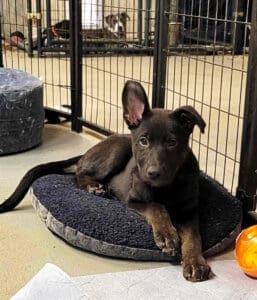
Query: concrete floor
[(25, 242)]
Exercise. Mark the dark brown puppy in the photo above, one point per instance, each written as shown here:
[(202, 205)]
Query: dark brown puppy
[(159, 178), (153, 171)]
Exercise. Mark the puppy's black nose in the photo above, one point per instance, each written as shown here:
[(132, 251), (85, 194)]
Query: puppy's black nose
[(153, 172), (120, 28)]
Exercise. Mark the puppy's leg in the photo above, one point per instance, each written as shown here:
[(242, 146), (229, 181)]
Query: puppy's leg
[(102, 161), (195, 267), (165, 234)]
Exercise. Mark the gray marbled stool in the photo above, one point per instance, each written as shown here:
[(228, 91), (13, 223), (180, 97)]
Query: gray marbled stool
[(21, 111)]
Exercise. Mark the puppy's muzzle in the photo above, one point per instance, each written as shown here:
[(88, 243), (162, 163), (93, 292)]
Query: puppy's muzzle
[(153, 172)]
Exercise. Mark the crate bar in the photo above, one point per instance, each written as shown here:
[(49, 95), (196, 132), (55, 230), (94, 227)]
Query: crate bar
[(139, 22), (55, 114), (1, 46), (48, 22), (39, 27), (238, 17), (76, 63), (160, 52), (29, 22), (247, 183), (95, 127), (147, 23)]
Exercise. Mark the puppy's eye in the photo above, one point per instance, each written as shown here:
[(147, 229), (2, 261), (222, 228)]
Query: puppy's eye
[(143, 141), (171, 143)]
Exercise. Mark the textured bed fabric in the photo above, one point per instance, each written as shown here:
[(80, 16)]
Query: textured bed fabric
[(21, 111), (107, 227)]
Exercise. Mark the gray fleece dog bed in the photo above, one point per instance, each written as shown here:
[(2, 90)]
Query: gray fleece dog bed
[(107, 227)]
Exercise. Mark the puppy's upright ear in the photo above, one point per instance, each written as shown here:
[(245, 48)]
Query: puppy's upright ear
[(135, 103), (188, 118)]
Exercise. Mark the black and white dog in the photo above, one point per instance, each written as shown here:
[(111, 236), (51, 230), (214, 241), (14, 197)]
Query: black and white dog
[(117, 24), (115, 27)]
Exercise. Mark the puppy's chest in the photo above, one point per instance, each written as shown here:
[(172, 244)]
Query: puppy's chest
[(170, 197)]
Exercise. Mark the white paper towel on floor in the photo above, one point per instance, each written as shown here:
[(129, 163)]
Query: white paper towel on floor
[(168, 283), (160, 283), (50, 283)]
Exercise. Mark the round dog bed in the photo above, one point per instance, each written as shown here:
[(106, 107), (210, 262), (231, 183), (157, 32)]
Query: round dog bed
[(21, 111), (107, 227)]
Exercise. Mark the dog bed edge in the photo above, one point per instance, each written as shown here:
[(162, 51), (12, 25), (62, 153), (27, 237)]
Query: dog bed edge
[(85, 242), (88, 243)]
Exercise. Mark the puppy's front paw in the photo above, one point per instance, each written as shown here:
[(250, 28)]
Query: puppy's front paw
[(197, 270), (97, 189), (167, 240)]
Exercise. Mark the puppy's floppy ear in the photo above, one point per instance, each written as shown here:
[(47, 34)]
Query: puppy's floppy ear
[(135, 103), (109, 18), (124, 16), (188, 118)]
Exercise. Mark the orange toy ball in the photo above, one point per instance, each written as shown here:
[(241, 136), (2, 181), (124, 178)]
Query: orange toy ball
[(246, 251)]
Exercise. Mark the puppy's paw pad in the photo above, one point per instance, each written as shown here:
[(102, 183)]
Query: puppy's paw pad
[(168, 242), (197, 272), (170, 251)]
